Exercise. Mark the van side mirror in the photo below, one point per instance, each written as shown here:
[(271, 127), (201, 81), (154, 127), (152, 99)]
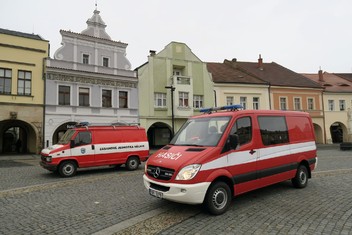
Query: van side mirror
[(233, 141), (72, 144)]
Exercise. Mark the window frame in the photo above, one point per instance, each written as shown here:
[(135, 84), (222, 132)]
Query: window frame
[(64, 95), (159, 98), (256, 104), (281, 98), (183, 99), (83, 95), (5, 78), (109, 101), (230, 100), (198, 101), (85, 58), (25, 82), (243, 102), (310, 105), (123, 98), (295, 103)]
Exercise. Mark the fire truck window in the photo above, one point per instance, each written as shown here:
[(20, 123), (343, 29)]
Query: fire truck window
[(83, 138), (273, 130), (243, 128)]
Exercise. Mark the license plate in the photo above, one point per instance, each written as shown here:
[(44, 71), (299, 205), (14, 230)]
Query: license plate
[(155, 193)]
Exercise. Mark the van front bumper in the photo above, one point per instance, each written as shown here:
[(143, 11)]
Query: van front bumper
[(49, 167), (184, 193)]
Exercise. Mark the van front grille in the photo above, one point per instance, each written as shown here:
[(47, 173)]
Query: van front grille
[(160, 173)]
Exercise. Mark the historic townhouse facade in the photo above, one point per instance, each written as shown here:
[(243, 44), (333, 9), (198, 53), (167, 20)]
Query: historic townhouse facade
[(173, 85), (286, 90), (22, 64), (89, 79), (232, 85), (337, 100)]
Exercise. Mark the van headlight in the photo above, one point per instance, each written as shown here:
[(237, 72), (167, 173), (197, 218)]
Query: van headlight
[(48, 159), (188, 172)]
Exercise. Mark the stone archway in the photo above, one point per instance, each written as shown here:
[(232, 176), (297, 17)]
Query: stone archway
[(61, 130), (159, 134), (18, 137), (319, 137), (338, 132)]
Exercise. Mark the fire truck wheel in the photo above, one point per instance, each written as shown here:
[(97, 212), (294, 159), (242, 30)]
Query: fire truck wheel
[(67, 169), (301, 178), (218, 198), (132, 163)]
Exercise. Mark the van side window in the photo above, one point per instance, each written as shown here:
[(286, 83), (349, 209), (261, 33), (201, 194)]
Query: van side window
[(83, 138), (273, 130), (243, 128)]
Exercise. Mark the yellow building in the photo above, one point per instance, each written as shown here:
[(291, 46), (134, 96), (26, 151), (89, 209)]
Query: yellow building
[(22, 64)]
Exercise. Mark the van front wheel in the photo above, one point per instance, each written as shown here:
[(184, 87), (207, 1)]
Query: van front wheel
[(301, 178), (132, 163), (218, 198), (67, 169)]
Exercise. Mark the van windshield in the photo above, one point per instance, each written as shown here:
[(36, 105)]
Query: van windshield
[(65, 139), (205, 131)]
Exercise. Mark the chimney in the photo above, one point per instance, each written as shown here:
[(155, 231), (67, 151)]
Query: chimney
[(152, 52), (260, 62), (320, 74)]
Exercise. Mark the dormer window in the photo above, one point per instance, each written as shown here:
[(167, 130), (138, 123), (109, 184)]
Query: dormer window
[(85, 59)]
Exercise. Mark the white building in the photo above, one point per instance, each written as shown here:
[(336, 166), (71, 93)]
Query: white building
[(89, 79)]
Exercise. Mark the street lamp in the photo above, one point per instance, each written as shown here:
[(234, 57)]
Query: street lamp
[(172, 89)]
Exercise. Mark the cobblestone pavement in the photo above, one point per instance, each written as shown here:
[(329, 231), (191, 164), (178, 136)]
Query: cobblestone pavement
[(106, 201)]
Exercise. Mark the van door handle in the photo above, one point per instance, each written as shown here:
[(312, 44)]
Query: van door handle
[(252, 152), (93, 147)]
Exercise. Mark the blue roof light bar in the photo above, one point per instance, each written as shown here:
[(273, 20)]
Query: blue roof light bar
[(226, 107)]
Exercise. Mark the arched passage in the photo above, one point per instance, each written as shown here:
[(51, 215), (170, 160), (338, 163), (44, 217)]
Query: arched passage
[(159, 134), (17, 136), (319, 138), (338, 132), (61, 130)]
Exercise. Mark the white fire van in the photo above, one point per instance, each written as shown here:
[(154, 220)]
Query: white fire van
[(227, 151), (89, 146)]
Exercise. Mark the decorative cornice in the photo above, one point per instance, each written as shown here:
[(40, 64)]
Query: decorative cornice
[(88, 80), (22, 48)]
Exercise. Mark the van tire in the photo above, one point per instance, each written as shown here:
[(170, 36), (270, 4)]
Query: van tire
[(301, 178), (67, 168), (218, 198), (132, 163)]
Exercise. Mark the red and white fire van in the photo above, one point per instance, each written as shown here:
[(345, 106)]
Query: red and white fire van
[(221, 154), (89, 146)]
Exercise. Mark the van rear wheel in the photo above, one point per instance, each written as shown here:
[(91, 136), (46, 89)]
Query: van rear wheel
[(132, 163), (301, 178), (218, 198), (67, 169)]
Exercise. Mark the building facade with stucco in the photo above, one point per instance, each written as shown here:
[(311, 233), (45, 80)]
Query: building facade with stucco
[(89, 79)]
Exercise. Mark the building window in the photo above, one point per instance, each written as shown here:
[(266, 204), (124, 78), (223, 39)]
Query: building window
[(342, 105), (105, 62), (159, 100), (243, 102), (297, 103), (177, 72), (198, 101), (255, 103), (123, 101), (24, 82), (83, 96), (183, 99), (331, 104), (106, 98), (229, 100), (64, 95), (283, 103), (85, 59), (310, 104), (5, 81)]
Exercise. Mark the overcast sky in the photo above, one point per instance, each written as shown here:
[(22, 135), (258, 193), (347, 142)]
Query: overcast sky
[(301, 35)]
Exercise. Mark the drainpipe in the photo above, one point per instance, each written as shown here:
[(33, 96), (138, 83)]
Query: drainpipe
[(269, 96), (215, 98)]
